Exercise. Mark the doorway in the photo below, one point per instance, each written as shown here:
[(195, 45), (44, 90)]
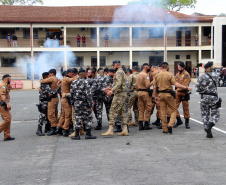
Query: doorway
[(178, 38), (187, 38)]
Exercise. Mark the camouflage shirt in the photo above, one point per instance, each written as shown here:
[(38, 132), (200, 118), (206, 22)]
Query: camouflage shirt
[(206, 85), (81, 91), (132, 81), (93, 84), (45, 91), (119, 84)]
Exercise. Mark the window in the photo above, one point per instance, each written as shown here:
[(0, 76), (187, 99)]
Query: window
[(8, 62), (102, 61), (135, 33), (155, 60), (26, 33), (115, 33), (78, 62), (177, 57), (4, 32), (206, 31), (156, 32), (93, 33), (188, 56)]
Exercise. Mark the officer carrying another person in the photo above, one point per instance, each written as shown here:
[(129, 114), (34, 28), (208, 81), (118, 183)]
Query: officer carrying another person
[(166, 96)]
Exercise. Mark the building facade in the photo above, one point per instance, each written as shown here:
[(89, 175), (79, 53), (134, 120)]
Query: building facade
[(135, 35)]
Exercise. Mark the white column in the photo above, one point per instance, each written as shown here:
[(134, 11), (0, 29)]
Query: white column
[(130, 36), (98, 36), (200, 36), (98, 59), (65, 36), (201, 69), (131, 59), (32, 56), (165, 43)]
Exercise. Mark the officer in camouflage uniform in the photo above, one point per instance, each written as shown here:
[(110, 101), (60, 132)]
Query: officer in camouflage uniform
[(45, 90), (133, 97), (118, 103), (206, 86), (101, 84), (82, 100)]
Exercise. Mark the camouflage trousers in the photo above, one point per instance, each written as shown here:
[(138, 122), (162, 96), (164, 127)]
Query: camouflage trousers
[(133, 102), (209, 113), (83, 114), (43, 119), (118, 107), (98, 109)]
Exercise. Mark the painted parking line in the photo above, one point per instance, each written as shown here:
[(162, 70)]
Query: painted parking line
[(215, 128)]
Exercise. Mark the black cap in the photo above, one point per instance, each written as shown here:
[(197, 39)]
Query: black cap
[(81, 70), (75, 70), (52, 71), (70, 70), (106, 69), (45, 74), (87, 69), (100, 69), (115, 62), (145, 64), (5, 76), (111, 70), (166, 63), (207, 65), (181, 64), (136, 68), (64, 73)]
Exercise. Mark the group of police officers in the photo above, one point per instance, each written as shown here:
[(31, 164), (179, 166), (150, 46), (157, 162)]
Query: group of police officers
[(83, 92)]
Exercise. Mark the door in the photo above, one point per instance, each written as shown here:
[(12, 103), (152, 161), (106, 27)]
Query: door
[(187, 38), (176, 67), (178, 38), (188, 67)]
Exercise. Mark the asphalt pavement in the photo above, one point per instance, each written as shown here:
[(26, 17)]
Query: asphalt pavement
[(143, 158)]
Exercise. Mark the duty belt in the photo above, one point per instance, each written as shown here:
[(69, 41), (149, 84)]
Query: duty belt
[(211, 94), (144, 90), (165, 91), (54, 96)]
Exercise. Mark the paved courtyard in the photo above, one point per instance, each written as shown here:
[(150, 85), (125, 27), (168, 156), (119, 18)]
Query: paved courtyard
[(143, 158)]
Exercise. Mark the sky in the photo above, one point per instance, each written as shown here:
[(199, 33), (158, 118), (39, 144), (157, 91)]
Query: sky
[(209, 7)]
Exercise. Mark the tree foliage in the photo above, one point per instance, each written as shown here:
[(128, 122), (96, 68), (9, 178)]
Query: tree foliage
[(21, 2), (174, 5)]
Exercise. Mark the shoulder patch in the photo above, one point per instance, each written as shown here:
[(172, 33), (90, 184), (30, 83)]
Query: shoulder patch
[(186, 76), (3, 87), (173, 76), (183, 76), (119, 74), (148, 78)]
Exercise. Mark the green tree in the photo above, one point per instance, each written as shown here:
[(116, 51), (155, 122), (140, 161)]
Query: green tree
[(20, 2), (174, 5)]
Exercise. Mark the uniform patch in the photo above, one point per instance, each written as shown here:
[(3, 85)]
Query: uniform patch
[(148, 78), (182, 76), (186, 76), (173, 76), (119, 74), (3, 87), (3, 91)]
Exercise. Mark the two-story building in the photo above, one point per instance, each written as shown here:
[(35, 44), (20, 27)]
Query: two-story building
[(136, 34)]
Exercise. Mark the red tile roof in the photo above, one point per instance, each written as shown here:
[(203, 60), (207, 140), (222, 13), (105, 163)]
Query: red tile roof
[(93, 14)]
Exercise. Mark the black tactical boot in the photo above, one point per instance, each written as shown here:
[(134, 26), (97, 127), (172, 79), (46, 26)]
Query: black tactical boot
[(157, 122), (160, 126), (39, 131), (66, 133), (76, 137), (141, 126), (118, 128), (88, 135), (59, 131), (179, 122), (170, 129), (71, 128), (52, 131), (187, 124), (147, 126), (208, 130), (128, 128), (47, 127), (99, 126), (168, 119)]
